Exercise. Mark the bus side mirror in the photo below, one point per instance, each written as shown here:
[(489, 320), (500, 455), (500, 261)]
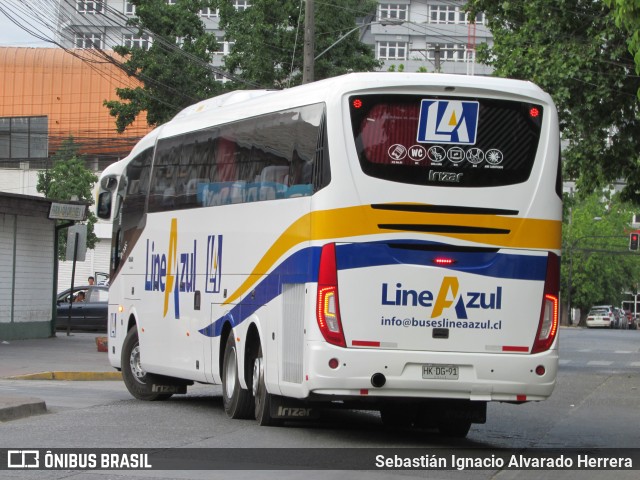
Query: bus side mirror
[(103, 209)]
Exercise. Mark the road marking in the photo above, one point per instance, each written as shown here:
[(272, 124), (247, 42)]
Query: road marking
[(626, 352), (564, 361), (598, 363), (635, 364)]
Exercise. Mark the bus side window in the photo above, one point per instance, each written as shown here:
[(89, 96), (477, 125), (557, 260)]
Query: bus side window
[(162, 195), (133, 192)]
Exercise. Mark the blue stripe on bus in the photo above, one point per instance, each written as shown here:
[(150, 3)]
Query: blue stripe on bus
[(302, 267), (498, 265)]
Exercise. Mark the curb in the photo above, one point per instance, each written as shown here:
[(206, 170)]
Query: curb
[(69, 376), (20, 407)]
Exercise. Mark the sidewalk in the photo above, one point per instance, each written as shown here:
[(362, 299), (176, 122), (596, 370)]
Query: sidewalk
[(74, 357)]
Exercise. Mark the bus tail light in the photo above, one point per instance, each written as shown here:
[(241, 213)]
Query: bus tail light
[(548, 325), (327, 308)]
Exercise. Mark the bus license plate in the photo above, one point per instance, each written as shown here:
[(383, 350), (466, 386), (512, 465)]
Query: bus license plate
[(440, 372)]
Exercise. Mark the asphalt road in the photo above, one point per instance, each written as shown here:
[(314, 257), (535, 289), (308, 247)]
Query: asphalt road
[(596, 404)]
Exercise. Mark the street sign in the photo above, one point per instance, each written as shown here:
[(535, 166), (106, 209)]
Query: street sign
[(68, 211), (81, 230)]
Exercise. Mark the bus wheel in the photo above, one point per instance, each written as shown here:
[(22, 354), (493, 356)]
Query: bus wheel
[(137, 381), (238, 403), (263, 399), (455, 428)]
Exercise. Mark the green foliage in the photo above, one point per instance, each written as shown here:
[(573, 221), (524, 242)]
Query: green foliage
[(176, 69), (269, 40), (596, 260), (574, 51), (627, 15), (69, 179), (393, 68), (267, 51)]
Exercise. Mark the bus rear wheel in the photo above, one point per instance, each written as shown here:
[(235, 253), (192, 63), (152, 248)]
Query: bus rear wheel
[(263, 399), (238, 403), (136, 379)]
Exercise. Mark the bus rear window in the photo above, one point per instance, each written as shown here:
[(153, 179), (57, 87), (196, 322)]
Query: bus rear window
[(445, 141)]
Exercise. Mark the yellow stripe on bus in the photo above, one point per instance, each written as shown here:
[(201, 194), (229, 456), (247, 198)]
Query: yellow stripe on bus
[(347, 223)]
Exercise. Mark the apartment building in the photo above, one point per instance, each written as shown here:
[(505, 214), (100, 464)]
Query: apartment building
[(428, 35), (409, 35), (103, 24)]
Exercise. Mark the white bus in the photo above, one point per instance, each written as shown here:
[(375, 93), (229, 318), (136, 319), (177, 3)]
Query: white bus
[(376, 240)]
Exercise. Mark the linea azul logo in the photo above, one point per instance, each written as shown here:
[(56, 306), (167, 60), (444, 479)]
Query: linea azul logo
[(174, 272), (448, 121), (448, 296)]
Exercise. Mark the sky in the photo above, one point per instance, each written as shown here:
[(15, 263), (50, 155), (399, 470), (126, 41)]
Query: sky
[(13, 36)]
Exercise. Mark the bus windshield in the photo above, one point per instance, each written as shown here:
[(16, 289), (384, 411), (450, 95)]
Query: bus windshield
[(444, 141)]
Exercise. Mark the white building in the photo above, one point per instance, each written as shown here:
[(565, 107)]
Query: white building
[(428, 35), (413, 35)]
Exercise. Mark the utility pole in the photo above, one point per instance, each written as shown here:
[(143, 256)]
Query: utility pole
[(436, 55), (309, 42)]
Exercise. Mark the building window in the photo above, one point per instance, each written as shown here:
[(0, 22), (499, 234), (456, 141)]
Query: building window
[(392, 50), (129, 8), (209, 13), (480, 18), (89, 7), (88, 40), (450, 52), (220, 78), (447, 14), (241, 5), (24, 137), (394, 11), (133, 41), (224, 47)]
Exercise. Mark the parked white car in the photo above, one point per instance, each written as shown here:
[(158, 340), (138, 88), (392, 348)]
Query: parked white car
[(601, 316)]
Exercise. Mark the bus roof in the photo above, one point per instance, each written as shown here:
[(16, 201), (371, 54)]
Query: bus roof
[(244, 104)]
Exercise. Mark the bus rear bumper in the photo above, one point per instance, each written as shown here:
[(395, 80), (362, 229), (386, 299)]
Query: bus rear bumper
[(480, 376)]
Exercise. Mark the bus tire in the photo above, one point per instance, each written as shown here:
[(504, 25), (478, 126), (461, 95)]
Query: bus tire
[(137, 381), (238, 403), (263, 399), (455, 428)]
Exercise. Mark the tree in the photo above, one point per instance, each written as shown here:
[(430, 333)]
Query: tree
[(69, 179), (267, 52), (596, 263), (574, 50), (627, 15), (176, 70), (268, 40)]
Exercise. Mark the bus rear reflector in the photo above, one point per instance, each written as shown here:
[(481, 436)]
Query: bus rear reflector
[(548, 325), (327, 307)]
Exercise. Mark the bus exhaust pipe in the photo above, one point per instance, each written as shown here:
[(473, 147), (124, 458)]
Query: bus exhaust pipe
[(378, 380)]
